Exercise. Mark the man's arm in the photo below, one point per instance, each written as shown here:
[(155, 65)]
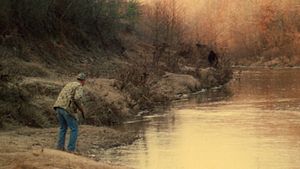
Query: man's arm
[(78, 101), (80, 109)]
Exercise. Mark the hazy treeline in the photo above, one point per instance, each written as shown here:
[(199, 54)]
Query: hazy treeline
[(250, 28), (239, 29), (247, 29)]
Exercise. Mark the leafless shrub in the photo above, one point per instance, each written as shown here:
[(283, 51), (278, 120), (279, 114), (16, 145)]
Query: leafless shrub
[(137, 79)]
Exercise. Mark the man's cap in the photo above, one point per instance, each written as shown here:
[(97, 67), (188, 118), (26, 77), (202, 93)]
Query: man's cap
[(81, 76)]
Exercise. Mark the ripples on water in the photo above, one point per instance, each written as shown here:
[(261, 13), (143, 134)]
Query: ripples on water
[(253, 125)]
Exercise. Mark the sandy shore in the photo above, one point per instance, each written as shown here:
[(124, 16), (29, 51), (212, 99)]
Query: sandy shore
[(28, 148)]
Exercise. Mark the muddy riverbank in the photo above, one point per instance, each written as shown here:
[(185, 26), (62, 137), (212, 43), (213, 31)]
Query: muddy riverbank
[(24, 142)]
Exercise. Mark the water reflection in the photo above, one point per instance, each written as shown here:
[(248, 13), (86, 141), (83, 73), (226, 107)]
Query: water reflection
[(257, 128)]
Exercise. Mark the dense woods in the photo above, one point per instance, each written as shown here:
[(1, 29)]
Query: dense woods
[(86, 23), (241, 30)]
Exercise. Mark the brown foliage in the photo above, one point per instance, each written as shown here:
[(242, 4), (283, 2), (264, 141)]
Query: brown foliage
[(137, 80)]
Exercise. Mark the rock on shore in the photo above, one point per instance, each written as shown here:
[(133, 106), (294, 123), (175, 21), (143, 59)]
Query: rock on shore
[(172, 84)]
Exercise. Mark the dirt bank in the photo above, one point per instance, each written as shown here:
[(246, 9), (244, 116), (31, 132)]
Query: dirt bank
[(49, 159), (27, 100), (27, 144)]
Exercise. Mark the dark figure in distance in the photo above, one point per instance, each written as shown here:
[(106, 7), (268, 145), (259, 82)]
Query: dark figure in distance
[(213, 59)]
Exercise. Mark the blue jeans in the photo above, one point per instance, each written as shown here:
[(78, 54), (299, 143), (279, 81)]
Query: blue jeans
[(65, 121)]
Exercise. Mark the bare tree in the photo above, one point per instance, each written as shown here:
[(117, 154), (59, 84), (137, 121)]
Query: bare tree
[(166, 28)]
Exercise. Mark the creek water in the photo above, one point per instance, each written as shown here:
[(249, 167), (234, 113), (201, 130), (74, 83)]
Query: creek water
[(253, 124)]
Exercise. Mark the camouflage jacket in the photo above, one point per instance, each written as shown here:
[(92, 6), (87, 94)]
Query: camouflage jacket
[(70, 98)]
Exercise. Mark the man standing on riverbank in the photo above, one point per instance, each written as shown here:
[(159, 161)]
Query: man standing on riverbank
[(66, 106)]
